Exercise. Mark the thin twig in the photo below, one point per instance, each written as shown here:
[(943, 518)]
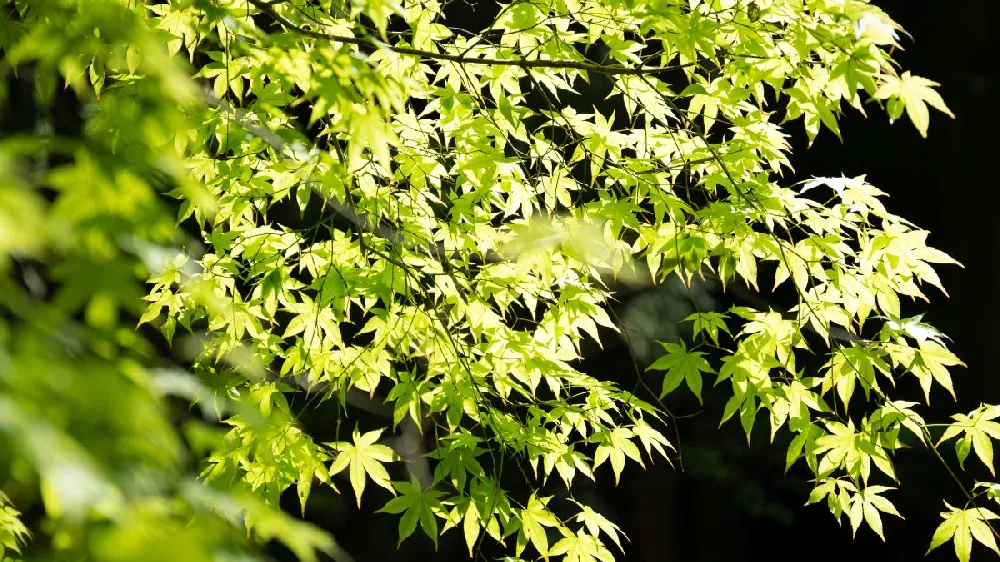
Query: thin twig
[(462, 59)]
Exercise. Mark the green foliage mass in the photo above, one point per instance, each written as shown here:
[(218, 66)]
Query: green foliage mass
[(476, 223)]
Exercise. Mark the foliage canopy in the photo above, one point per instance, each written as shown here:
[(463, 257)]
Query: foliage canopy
[(385, 206)]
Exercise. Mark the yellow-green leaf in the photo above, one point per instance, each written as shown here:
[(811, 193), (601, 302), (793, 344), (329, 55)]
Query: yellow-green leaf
[(964, 525), (363, 457)]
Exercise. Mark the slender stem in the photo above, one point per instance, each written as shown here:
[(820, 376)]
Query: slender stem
[(268, 8)]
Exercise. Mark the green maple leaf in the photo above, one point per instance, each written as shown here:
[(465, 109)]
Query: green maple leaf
[(581, 547), (595, 523), (708, 322), (651, 439), (681, 365), (915, 94), (977, 429), (416, 505), (866, 506), (534, 518), (855, 451), (616, 446), (13, 533), (963, 525), (364, 457), (931, 363)]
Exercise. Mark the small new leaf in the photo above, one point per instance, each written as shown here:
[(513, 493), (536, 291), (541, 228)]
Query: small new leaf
[(708, 322)]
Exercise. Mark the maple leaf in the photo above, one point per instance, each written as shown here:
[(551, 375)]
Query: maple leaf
[(963, 525), (681, 365), (534, 518), (915, 94), (977, 429), (364, 457), (416, 505), (866, 505)]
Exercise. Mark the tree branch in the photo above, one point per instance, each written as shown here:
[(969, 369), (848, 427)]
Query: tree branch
[(437, 250), (619, 70), (361, 221)]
